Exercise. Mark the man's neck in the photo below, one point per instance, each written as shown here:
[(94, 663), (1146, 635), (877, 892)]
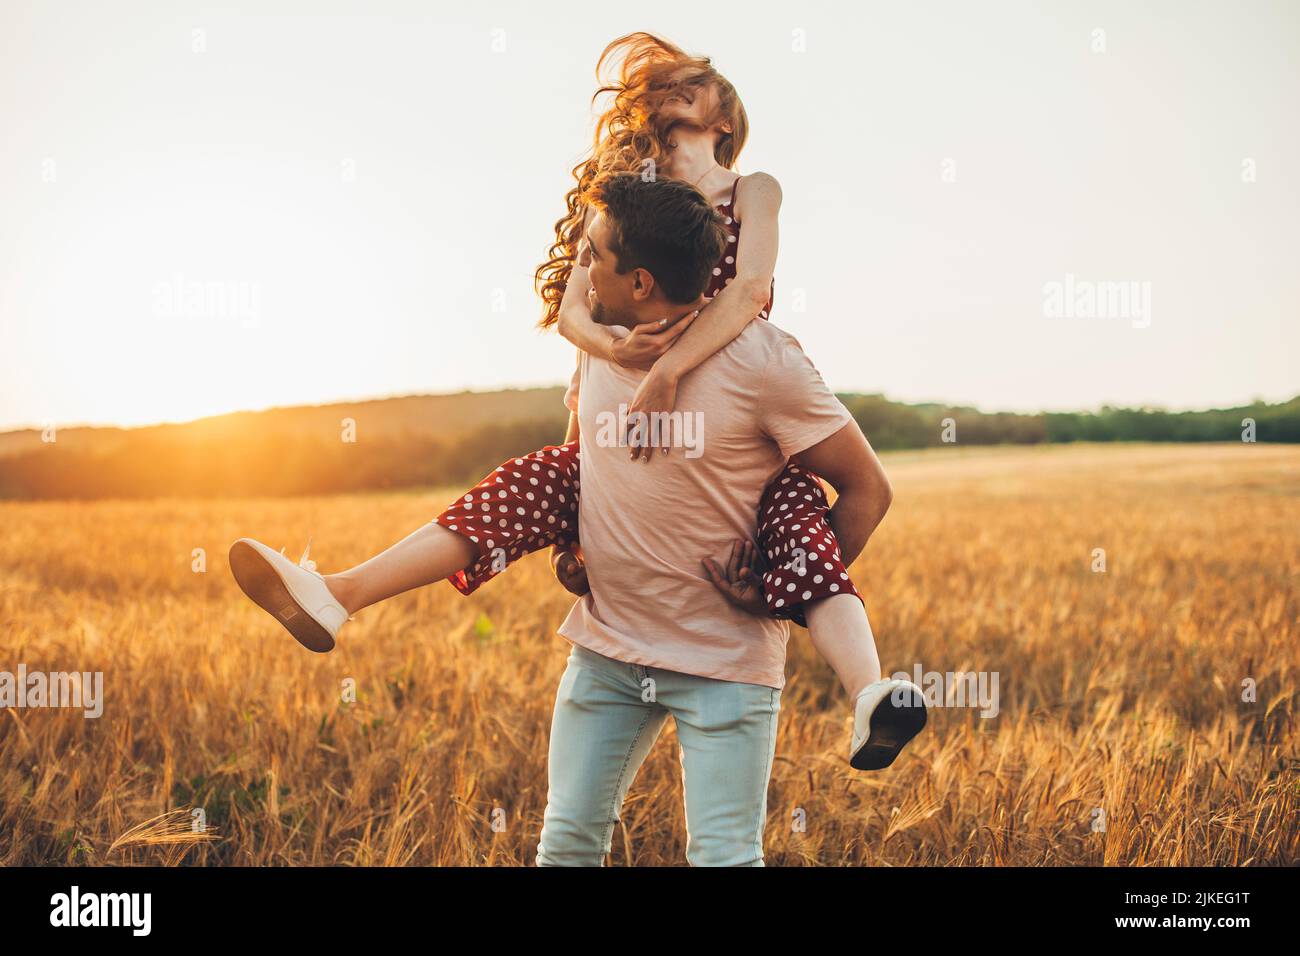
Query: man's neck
[(669, 310)]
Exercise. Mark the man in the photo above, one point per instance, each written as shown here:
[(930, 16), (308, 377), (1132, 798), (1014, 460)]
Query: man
[(653, 636)]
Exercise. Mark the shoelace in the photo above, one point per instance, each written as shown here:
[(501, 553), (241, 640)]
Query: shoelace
[(305, 562)]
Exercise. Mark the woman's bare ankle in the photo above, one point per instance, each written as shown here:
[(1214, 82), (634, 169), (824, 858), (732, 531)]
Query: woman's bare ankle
[(859, 682), (344, 591)]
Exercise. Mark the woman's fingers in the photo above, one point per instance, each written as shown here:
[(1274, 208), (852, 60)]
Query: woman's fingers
[(676, 327), (663, 340), (674, 324), (645, 446), (642, 445), (649, 340), (664, 333)]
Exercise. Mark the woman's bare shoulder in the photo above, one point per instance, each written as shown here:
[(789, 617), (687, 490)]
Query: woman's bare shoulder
[(759, 182), (755, 189)]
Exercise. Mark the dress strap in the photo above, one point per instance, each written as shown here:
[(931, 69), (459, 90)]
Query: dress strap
[(732, 203)]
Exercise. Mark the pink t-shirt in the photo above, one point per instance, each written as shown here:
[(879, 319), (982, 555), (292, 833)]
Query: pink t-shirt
[(645, 527)]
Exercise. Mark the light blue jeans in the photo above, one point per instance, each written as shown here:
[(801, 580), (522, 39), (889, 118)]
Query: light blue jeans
[(607, 716)]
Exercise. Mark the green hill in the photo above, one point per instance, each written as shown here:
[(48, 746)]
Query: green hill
[(422, 440)]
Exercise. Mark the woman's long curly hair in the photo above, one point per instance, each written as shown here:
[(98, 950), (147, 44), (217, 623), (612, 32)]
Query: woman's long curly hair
[(631, 137)]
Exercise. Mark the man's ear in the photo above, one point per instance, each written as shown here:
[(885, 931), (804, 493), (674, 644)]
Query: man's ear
[(643, 284)]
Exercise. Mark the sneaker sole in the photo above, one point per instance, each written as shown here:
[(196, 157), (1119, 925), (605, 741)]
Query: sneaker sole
[(264, 587), (892, 726)]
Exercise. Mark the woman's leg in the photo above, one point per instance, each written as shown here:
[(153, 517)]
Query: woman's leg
[(523, 505), (806, 580), (841, 632), (428, 554)]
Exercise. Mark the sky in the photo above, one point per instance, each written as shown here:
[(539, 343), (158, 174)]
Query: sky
[(1012, 205)]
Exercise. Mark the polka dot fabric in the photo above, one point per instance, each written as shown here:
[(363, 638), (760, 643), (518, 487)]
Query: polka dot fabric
[(531, 503), (525, 505), (802, 554), (725, 270)]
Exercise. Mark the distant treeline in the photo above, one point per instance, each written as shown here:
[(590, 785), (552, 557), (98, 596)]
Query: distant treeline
[(891, 425), (250, 459)]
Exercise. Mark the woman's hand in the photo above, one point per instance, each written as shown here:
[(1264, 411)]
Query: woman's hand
[(649, 340), (656, 395), (569, 571), (741, 581)]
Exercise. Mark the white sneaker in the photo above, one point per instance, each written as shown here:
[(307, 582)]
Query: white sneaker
[(294, 594), (886, 715)]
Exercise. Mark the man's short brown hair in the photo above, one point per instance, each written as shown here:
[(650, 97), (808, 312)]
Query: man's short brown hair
[(664, 226)]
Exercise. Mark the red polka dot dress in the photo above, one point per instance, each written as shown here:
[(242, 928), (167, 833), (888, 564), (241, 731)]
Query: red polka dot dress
[(531, 502), (525, 505), (802, 554)]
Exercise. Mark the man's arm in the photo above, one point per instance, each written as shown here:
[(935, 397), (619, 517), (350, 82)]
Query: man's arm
[(795, 407), (847, 460)]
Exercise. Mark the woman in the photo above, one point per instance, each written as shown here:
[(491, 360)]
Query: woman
[(672, 115)]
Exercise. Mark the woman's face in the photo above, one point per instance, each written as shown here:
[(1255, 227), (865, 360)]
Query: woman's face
[(692, 103)]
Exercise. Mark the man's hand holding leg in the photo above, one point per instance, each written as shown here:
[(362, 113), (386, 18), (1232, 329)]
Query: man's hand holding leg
[(741, 581)]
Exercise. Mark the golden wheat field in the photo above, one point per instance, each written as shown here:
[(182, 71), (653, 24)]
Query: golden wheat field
[(1120, 692)]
